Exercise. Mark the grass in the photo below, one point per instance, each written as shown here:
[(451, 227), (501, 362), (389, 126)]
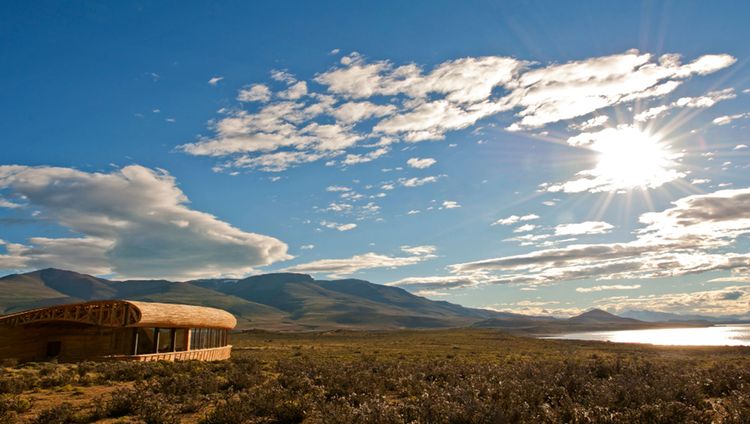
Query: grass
[(439, 376)]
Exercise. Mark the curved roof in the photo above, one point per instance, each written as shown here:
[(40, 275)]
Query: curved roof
[(127, 313)]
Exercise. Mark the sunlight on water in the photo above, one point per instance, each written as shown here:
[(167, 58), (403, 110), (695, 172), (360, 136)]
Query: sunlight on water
[(720, 335)]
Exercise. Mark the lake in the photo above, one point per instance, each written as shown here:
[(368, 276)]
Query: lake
[(718, 335)]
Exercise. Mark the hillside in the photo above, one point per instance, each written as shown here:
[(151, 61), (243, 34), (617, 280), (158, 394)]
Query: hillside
[(272, 301), (597, 316)]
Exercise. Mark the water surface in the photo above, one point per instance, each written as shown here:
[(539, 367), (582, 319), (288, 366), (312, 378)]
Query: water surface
[(718, 335)]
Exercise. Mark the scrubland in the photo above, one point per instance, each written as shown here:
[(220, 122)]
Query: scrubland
[(442, 376)]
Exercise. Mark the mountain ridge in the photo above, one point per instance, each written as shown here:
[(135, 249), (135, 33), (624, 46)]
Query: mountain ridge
[(277, 301), (295, 302)]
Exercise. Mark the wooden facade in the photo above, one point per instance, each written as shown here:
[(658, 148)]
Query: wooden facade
[(116, 329)]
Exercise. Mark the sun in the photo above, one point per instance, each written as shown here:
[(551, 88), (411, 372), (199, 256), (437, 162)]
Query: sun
[(631, 158)]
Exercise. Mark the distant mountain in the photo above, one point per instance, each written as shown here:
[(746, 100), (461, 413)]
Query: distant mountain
[(289, 301), (597, 316), (271, 301), (653, 316), (593, 320)]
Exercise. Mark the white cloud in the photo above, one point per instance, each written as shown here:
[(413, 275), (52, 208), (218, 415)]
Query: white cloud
[(694, 236), (421, 163), (433, 283), (740, 147), (524, 228), (353, 159), (255, 93), (416, 182), (337, 226), (352, 112), (215, 80), (8, 204), (295, 91), (370, 260), (450, 204), (283, 76), (566, 91), (590, 124), (588, 227), (515, 218), (720, 302), (338, 188), (307, 247), (132, 222), (385, 104), (727, 119), (607, 288), (705, 101)]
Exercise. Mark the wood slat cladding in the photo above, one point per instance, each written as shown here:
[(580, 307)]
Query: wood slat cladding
[(127, 313), (116, 329)]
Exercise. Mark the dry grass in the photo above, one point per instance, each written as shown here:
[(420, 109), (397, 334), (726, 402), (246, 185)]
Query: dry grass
[(451, 376)]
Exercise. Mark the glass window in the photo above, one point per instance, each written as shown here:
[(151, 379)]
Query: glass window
[(180, 339), (165, 340), (145, 341)]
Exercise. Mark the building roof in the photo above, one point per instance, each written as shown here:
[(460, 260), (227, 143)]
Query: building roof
[(126, 313)]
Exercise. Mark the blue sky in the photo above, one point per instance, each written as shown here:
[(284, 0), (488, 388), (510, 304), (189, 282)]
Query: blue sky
[(537, 157)]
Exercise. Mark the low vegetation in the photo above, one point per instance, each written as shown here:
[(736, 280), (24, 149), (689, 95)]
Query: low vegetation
[(457, 376)]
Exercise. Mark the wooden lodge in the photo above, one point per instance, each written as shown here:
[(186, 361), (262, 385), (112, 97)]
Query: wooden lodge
[(117, 329)]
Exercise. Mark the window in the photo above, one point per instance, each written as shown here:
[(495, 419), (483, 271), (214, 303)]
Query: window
[(180, 339), (165, 339), (144, 341), (206, 338)]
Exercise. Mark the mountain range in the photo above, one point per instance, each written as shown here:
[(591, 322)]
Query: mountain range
[(282, 301), (289, 301)]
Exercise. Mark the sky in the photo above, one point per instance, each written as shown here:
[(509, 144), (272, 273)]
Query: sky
[(537, 157)]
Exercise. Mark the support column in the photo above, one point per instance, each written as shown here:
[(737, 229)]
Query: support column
[(135, 341), (188, 339), (172, 339), (156, 340)]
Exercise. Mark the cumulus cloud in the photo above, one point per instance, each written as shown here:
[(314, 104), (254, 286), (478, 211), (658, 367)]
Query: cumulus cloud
[(583, 228), (694, 236), (524, 228), (215, 80), (450, 204), (433, 283), (352, 112), (337, 226), (295, 91), (417, 182), (254, 93), (590, 124), (607, 288), (421, 163), (705, 101), (728, 119), (515, 218), (380, 102), (353, 159), (720, 302), (8, 204), (132, 222), (347, 266), (566, 91)]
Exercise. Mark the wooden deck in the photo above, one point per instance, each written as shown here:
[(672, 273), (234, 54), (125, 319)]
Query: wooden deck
[(213, 354)]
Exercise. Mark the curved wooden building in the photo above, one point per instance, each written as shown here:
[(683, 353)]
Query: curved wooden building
[(117, 329)]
